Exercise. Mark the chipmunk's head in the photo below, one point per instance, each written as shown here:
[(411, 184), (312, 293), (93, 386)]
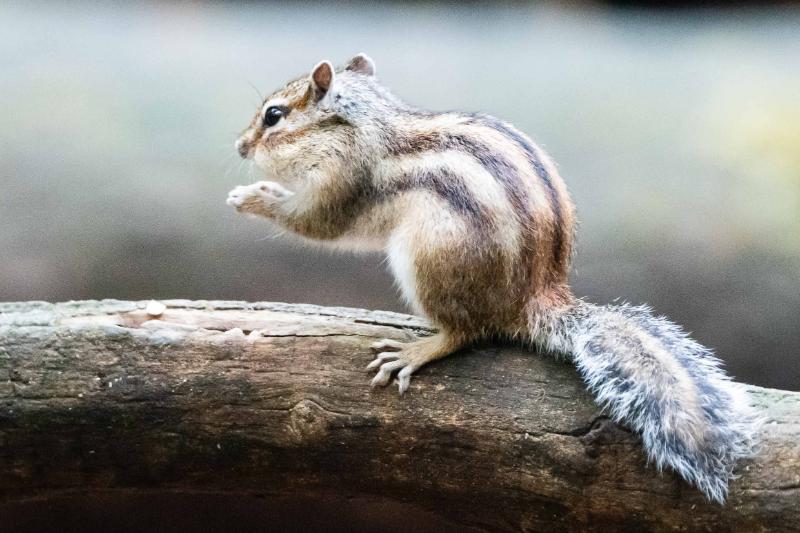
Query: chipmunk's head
[(304, 103)]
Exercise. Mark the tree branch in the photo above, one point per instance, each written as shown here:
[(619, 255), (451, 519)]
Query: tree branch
[(271, 399)]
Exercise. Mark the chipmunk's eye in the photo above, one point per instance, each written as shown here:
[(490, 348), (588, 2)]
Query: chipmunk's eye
[(272, 116)]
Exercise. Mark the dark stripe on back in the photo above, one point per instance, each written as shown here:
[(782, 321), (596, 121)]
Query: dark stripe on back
[(535, 163), (362, 194), (448, 186), (349, 200), (497, 165)]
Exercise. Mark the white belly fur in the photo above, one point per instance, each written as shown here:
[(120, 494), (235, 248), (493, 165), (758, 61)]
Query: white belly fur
[(401, 263)]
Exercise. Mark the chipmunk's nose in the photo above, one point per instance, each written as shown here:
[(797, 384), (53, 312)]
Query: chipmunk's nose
[(242, 148)]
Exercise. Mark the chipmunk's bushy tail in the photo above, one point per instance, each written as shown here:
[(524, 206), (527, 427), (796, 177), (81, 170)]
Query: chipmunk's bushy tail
[(656, 380)]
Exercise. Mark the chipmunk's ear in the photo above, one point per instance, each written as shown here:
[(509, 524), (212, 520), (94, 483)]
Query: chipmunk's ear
[(362, 64), (322, 79)]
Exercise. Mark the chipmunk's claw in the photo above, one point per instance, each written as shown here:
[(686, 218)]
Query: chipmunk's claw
[(404, 379), (405, 358), (385, 372), (390, 362), (382, 358), (389, 359), (387, 345)]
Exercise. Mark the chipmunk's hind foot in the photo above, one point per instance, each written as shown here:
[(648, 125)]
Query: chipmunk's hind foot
[(407, 358)]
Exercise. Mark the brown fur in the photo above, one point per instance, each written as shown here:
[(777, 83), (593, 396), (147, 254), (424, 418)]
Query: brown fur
[(478, 229), (477, 222)]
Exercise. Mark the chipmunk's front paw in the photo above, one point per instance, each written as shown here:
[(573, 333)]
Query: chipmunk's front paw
[(257, 198)]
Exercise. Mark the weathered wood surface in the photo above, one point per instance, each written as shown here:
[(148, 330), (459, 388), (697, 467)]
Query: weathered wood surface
[(97, 396)]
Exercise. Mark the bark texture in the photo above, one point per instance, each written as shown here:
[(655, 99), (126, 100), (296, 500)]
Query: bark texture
[(271, 399)]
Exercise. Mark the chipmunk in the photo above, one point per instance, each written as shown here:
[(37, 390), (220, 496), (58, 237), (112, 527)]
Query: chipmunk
[(478, 229)]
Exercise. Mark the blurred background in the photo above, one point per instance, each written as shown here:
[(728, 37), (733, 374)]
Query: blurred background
[(678, 131)]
